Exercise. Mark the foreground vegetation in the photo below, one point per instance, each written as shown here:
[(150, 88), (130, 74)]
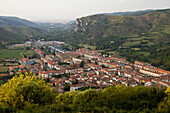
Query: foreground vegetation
[(26, 93)]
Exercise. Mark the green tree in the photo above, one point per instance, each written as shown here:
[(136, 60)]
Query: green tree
[(53, 84), (82, 64), (66, 87), (165, 105), (74, 82)]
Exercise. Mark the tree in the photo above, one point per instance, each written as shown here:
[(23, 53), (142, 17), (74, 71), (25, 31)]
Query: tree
[(66, 87), (28, 48), (53, 84), (165, 105), (74, 82), (34, 55), (47, 80), (54, 53), (82, 64), (26, 90)]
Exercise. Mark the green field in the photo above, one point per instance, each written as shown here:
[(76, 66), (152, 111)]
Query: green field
[(3, 68), (9, 53), (28, 53), (145, 41), (8, 64), (132, 43), (17, 48), (113, 52), (88, 46), (144, 53), (166, 29), (136, 49)]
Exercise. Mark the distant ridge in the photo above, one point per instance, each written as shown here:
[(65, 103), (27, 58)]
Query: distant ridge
[(131, 13), (15, 21)]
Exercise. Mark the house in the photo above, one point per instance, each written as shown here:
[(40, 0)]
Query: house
[(109, 71), (13, 68), (75, 87), (162, 71), (52, 65), (76, 59), (111, 65), (25, 60), (151, 73), (127, 74), (32, 62), (39, 52), (49, 56), (21, 66), (42, 63), (44, 74), (44, 59), (93, 66)]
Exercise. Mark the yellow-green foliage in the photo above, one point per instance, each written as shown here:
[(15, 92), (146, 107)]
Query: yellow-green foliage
[(165, 105), (26, 90), (86, 96), (66, 98)]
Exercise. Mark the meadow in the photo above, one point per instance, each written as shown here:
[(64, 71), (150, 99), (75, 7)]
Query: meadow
[(10, 53)]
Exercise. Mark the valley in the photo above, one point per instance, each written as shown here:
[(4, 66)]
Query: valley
[(107, 62)]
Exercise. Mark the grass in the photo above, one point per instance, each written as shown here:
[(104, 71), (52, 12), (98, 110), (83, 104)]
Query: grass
[(132, 43), (104, 50), (136, 49), (165, 29), (28, 53), (45, 51), (12, 64), (3, 68), (17, 48), (154, 33), (8, 64), (144, 53), (113, 52), (88, 46), (9, 53), (139, 40), (101, 50)]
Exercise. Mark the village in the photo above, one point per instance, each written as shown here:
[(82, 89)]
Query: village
[(83, 68)]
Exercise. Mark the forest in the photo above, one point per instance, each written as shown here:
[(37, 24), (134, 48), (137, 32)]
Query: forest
[(25, 93)]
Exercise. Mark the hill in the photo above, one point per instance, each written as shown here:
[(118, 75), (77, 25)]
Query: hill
[(17, 34), (58, 26), (15, 21), (16, 30), (4, 37), (136, 37), (130, 13), (23, 31)]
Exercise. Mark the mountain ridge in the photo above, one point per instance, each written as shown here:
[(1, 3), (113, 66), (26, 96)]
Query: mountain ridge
[(15, 21), (132, 36)]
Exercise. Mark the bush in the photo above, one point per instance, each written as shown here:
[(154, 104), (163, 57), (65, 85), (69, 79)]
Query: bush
[(26, 90)]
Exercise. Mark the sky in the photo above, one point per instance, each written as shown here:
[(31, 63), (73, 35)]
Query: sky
[(41, 10)]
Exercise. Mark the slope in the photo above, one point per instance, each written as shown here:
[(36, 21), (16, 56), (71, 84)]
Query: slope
[(136, 37), (15, 21)]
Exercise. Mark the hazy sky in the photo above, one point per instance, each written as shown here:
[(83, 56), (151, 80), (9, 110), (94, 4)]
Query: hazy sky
[(70, 9)]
